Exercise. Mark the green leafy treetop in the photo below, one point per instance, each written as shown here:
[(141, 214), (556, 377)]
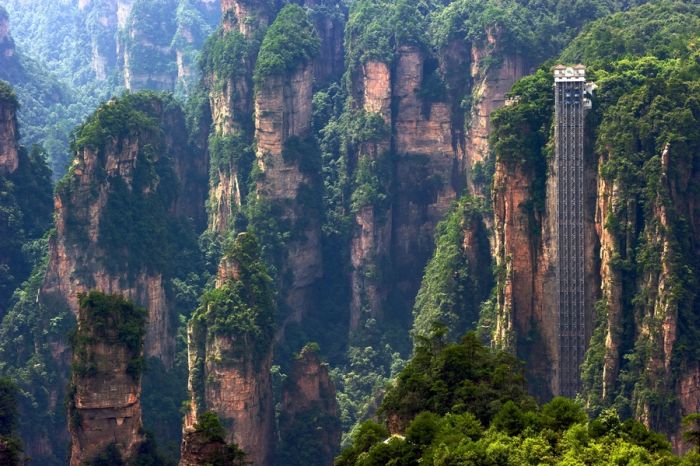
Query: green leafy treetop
[(10, 445), (7, 94), (112, 318), (464, 404), (290, 41), (244, 305)]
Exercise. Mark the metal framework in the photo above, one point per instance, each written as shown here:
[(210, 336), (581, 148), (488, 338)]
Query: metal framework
[(571, 105)]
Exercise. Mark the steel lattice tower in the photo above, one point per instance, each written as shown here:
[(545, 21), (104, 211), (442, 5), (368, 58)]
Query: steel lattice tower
[(571, 105)]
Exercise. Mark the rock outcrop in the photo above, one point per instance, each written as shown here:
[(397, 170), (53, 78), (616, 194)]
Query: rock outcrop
[(146, 49), (309, 410), (144, 168), (9, 146), (230, 354), (105, 398), (7, 44), (284, 151), (526, 254)]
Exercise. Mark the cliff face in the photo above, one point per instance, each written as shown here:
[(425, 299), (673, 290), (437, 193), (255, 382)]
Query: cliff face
[(329, 21), (106, 19), (104, 406), (418, 98), (524, 196), (246, 16), (230, 355), (143, 169), (9, 158), (428, 172), (284, 153), (371, 237), (7, 44), (491, 83), (651, 342), (148, 56), (309, 410)]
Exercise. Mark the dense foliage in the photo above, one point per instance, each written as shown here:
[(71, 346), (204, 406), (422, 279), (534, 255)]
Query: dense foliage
[(66, 61), (244, 306), (289, 41), (111, 319), (454, 286), (25, 215), (10, 444), (463, 404)]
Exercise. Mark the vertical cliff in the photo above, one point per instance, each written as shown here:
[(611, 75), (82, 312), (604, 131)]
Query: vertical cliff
[(25, 199), (524, 199), (7, 44), (370, 245), (285, 211), (126, 212), (309, 425), (104, 404), (145, 44), (491, 80), (328, 17), (9, 137), (230, 339), (642, 353)]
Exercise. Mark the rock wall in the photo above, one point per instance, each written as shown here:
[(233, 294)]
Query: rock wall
[(309, 405), (330, 26), (7, 44), (9, 157), (428, 174), (145, 47), (78, 258), (229, 370), (371, 236), (249, 17), (525, 241), (491, 83), (282, 125), (667, 385), (105, 398)]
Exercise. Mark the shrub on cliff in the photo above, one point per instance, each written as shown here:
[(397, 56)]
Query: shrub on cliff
[(290, 41)]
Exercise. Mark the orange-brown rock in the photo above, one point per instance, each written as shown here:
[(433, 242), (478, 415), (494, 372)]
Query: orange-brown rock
[(246, 16), (238, 388), (371, 236), (309, 405), (283, 117), (526, 254), (490, 84), (105, 402), (78, 258), (229, 366)]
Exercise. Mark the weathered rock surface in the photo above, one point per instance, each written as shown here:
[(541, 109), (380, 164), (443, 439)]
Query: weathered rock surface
[(105, 403), (78, 258), (9, 157), (283, 114), (309, 404)]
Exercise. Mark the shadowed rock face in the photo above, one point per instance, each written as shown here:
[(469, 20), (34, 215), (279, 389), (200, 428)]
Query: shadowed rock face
[(9, 158), (80, 259), (7, 44), (283, 112), (434, 158), (105, 402), (309, 403), (229, 368)]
